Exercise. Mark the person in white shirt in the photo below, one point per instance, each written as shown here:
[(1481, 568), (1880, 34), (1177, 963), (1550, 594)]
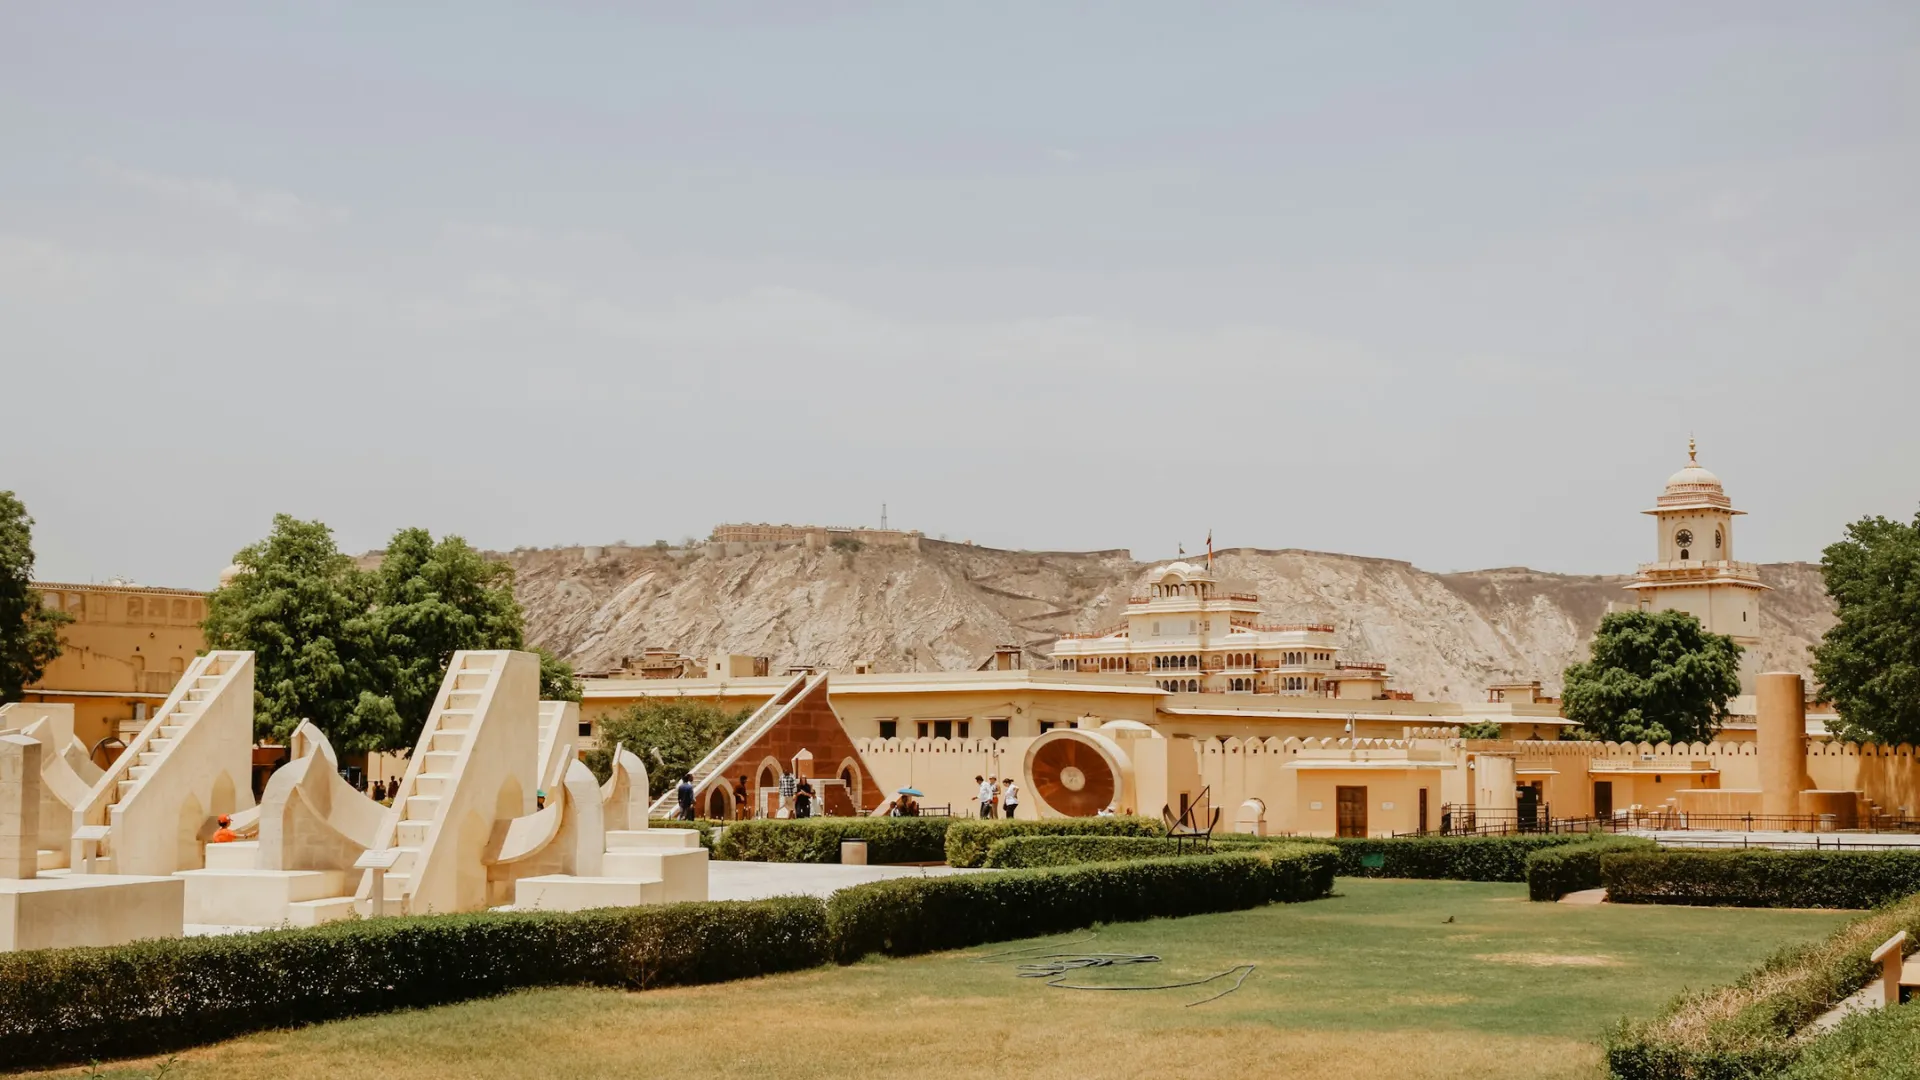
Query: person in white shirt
[(986, 796), (1010, 797)]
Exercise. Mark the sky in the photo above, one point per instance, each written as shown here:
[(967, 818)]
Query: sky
[(1446, 283)]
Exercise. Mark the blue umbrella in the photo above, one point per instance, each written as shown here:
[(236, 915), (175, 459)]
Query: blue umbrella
[(911, 791)]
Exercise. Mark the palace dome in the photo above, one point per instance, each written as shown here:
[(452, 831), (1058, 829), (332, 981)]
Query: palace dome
[(1183, 570), (1692, 478)]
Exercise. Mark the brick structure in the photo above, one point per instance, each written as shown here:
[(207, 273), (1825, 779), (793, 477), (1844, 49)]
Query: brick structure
[(811, 725)]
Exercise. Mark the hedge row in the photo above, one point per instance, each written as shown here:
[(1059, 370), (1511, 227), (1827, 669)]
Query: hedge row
[(906, 916), (65, 1005), (1747, 1029), (1756, 878), (969, 839), (1554, 872), (59, 1006), (1028, 852), (817, 840), (1456, 858)]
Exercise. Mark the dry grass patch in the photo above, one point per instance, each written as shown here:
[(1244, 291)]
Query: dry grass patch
[(1534, 959)]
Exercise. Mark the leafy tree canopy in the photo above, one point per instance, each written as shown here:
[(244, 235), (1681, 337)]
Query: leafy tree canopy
[(1654, 676), (1868, 664), (29, 632), (362, 653), (302, 608), (671, 736), (1481, 729)]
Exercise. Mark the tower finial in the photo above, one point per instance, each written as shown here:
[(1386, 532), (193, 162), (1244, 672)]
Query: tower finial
[(1693, 452)]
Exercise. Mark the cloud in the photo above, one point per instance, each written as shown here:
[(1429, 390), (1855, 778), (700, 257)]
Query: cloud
[(255, 206)]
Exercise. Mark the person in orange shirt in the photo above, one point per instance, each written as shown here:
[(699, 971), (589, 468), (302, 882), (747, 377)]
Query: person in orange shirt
[(225, 834)]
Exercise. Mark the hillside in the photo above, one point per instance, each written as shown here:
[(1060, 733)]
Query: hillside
[(946, 606)]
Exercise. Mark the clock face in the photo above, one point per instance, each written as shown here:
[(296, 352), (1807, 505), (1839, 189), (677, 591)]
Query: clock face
[(1684, 538)]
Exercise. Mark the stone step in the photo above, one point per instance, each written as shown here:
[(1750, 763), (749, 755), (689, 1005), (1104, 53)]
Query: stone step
[(412, 833), (434, 784), (455, 719), (422, 807), (448, 741), (319, 912), (652, 839), (147, 757), (439, 761), (139, 772), (125, 787), (171, 731), (159, 746), (236, 855)]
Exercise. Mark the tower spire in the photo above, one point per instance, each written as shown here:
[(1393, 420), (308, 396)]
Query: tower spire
[(1693, 452)]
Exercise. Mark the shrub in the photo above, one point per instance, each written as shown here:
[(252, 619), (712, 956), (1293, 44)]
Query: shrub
[(1553, 872), (817, 840), (905, 916), (969, 839), (1746, 1029), (1458, 858), (67, 1005), (1883, 1043), (1801, 879)]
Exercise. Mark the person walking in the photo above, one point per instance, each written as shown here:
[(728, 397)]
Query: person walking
[(994, 782), (986, 796), (686, 797), (1010, 798), (742, 799), (803, 799)]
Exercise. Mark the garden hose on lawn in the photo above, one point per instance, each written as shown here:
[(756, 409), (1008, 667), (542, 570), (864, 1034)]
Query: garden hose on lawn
[(1056, 967)]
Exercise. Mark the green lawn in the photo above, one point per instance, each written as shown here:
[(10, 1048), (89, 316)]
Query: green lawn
[(1375, 981)]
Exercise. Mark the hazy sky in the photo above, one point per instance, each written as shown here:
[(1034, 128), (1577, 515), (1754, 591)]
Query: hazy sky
[(1442, 282)]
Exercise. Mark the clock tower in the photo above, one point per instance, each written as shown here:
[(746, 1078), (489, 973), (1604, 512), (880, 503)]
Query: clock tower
[(1695, 571)]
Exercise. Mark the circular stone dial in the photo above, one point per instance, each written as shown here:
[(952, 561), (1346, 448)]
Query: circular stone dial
[(1073, 778)]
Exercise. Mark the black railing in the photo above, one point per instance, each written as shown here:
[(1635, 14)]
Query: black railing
[(1469, 821)]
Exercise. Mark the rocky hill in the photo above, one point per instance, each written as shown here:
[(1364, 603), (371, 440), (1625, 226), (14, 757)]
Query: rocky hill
[(946, 606)]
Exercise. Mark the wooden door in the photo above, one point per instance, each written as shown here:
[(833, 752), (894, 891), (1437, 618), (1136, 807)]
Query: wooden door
[(1603, 798), (1350, 818), (1423, 810)]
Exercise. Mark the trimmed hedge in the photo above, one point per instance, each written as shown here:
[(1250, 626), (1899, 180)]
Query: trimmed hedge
[(1746, 1029), (969, 838), (817, 840), (59, 1006), (1028, 852), (1556, 871), (906, 916), (1456, 858), (1758, 878)]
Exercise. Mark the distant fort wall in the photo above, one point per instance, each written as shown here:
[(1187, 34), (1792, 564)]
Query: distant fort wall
[(739, 539)]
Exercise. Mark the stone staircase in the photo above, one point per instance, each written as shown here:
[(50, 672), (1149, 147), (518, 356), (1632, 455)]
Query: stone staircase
[(154, 770), (721, 757), (433, 774)]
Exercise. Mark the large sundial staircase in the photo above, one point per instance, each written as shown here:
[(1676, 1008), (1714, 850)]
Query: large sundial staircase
[(192, 758), (476, 762)]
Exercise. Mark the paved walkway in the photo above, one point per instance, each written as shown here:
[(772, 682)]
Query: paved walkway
[(1830, 841), (757, 881)]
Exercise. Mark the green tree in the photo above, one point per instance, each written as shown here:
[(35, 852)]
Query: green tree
[(671, 736), (1868, 664), (557, 680), (302, 608), (1481, 729), (362, 654), (430, 600), (29, 632), (1654, 676)]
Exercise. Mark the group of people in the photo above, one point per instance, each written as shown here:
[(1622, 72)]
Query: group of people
[(996, 799), (383, 790)]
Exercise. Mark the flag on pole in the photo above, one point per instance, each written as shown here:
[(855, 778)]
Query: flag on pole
[(1209, 549)]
